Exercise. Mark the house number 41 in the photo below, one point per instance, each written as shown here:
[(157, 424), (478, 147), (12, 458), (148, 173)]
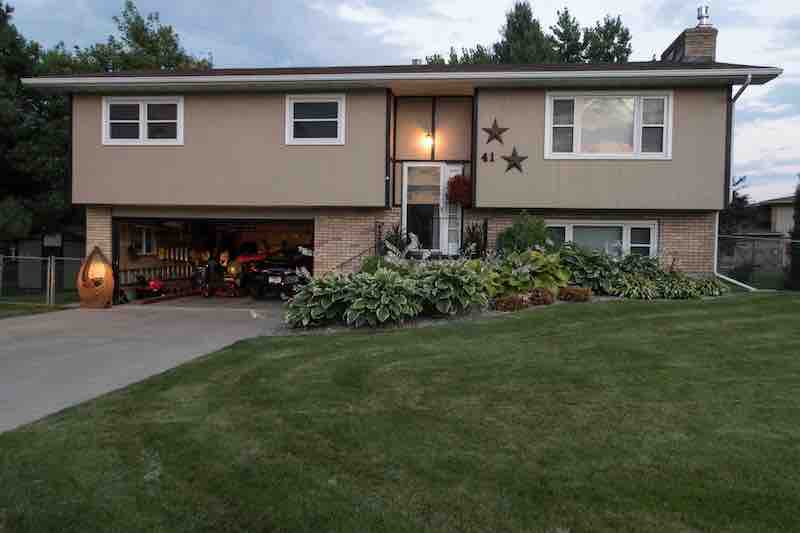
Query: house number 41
[(488, 158)]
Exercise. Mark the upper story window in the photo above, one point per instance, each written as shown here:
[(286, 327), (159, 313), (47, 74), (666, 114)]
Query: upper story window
[(143, 120), (608, 125), (315, 119)]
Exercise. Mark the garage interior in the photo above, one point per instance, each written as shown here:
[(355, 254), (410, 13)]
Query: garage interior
[(170, 253)]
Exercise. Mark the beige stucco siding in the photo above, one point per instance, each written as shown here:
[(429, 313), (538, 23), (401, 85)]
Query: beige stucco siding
[(234, 154), (692, 179)]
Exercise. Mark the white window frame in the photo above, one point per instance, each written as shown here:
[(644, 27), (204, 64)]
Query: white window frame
[(637, 153), (145, 231), (443, 211), (142, 101), (626, 225), (341, 114)]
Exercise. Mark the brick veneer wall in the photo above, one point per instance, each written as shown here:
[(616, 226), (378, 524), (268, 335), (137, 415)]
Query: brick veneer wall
[(685, 240), (342, 238), (98, 230)]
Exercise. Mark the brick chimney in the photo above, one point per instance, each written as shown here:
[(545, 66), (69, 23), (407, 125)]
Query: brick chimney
[(694, 45)]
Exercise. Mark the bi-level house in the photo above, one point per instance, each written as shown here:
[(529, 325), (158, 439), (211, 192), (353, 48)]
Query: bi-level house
[(630, 158)]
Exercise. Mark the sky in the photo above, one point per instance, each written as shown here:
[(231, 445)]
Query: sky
[(357, 32)]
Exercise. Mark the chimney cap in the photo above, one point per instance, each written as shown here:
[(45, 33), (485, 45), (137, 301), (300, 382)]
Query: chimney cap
[(702, 16)]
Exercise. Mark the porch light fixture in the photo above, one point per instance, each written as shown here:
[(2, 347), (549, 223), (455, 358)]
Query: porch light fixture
[(96, 281), (427, 140)]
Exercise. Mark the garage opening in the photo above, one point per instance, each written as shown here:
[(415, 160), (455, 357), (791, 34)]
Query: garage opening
[(157, 258)]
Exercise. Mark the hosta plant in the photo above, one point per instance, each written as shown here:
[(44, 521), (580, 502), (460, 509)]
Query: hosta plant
[(451, 287), (637, 287), (323, 300), (589, 268), (381, 298), (519, 272)]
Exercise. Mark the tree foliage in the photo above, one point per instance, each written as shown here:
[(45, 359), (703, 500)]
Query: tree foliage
[(522, 40), (34, 127), (609, 42), (793, 280), (737, 215)]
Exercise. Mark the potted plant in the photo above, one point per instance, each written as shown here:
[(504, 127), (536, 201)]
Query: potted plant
[(459, 190)]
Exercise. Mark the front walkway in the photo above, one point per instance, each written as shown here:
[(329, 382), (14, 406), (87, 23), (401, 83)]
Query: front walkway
[(51, 361)]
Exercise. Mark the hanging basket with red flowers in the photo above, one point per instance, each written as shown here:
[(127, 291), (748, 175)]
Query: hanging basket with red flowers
[(459, 190)]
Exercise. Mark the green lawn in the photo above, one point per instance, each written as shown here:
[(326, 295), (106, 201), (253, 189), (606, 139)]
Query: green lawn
[(612, 417), (7, 310)]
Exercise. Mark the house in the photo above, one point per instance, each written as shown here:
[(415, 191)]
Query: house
[(781, 214), (630, 158)]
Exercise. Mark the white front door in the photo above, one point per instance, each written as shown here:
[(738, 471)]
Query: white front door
[(425, 210)]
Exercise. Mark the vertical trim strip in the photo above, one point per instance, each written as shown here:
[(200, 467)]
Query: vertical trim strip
[(433, 127), (726, 193), (386, 178), (395, 201), (474, 154), (70, 149)]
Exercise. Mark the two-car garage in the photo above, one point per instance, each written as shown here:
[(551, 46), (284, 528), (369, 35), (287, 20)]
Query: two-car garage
[(156, 256)]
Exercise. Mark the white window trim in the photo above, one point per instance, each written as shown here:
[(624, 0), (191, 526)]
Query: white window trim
[(340, 99), (626, 226), (637, 125), (142, 101), (153, 247), (443, 228)]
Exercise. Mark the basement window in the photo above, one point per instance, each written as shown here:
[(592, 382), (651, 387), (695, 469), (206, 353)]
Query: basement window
[(608, 125), (143, 120), (613, 237), (315, 119)]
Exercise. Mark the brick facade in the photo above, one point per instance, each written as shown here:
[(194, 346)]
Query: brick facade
[(685, 240), (98, 230), (342, 238)]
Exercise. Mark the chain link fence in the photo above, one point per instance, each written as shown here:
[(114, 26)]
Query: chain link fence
[(39, 280), (761, 262)]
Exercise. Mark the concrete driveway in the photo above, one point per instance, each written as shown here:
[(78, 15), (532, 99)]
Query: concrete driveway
[(55, 360)]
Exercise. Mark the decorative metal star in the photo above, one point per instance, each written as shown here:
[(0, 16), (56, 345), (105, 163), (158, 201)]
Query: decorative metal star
[(495, 132), (514, 160)]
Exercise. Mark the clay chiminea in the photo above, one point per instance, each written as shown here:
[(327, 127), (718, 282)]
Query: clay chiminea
[(96, 281)]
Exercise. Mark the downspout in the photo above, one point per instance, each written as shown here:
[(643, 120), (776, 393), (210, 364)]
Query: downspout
[(728, 171)]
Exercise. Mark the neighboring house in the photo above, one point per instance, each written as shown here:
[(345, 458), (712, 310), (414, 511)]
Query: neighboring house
[(631, 158), (781, 214)]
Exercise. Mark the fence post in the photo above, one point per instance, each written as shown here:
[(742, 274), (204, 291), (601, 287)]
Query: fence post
[(486, 234), (49, 298)]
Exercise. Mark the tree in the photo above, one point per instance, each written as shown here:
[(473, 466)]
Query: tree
[(609, 42), (737, 213), (522, 40), (34, 127), (793, 281), (567, 36)]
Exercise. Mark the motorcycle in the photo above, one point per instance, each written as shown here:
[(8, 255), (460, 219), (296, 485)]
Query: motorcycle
[(270, 278)]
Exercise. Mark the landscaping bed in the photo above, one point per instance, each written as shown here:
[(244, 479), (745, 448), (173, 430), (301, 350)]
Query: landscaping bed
[(527, 270), (614, 417)]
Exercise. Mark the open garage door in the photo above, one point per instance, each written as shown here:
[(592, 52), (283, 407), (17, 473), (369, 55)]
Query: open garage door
[(162, 256)]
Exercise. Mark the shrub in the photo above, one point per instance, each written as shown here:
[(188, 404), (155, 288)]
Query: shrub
[(636, 286), (451, 287), (520, 272), (323, 300), (540, 296), (384, 297), (640, 264), (525, 233), (667, 285), (371, 264), (588, 268), (575, 294), (511, 302)]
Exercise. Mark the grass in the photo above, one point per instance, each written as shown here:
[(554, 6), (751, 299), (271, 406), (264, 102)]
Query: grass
[(8, 310), (613, 417)]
